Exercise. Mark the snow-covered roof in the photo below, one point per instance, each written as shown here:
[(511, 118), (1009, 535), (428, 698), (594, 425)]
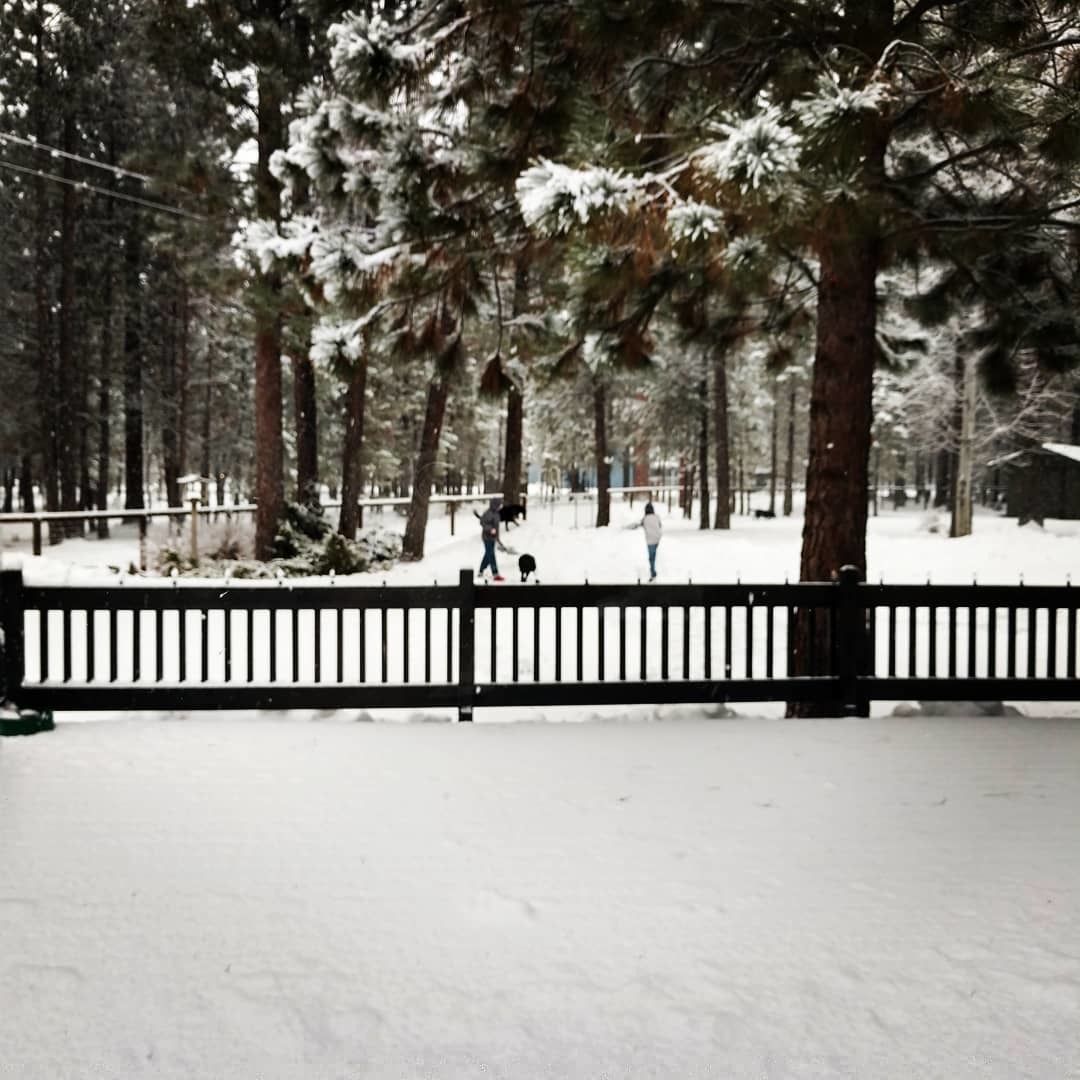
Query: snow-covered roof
[(1063, 449)]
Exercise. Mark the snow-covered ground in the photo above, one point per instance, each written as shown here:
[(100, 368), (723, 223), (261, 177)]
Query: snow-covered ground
[(740, 898), (909, 545), (661, 892)]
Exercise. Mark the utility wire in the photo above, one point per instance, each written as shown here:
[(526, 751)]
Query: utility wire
[(53, 151), (107, 192)]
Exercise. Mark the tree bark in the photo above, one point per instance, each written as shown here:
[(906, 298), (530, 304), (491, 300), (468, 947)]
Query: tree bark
[(207, 428), (603, 465), (26, 486), (184, 377), (416, 526), (170, 438), (965, 460), (515, 424), (789, 463), (841, 409), (834, 533), (133, 367), (307, 431), (67, 376), (942, 480), (352, 480), (47, 388), (703, 451), (722, 432), (515, 400), (269, 448), (104, 401)]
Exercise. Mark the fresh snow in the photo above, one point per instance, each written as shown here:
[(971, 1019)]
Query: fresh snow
[(741, 898), (660, 892)]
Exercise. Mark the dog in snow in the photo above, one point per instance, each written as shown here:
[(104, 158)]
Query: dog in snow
[(510, 513)]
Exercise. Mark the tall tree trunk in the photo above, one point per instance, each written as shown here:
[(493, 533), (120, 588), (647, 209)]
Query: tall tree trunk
[(840, 409), (207, 428), (722, 433), (703, 451), (789, 460), (412, 546), (774, 442), (941, 478), (86, 491), (512, 465), (269, 446), (170, 436), (47, 385), (67, 375), (307, 430), (900, 480), (105, 400), (515, 400), (875, 482), (133, 367), (965, 460), (603, 465), (352, 480), (834, 533), (104, 395), (184, 378), (26, 486)]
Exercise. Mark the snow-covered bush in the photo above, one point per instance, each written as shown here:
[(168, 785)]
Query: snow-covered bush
[(305, 546)]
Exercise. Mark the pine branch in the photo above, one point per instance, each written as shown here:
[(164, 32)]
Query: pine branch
[(923, 7)]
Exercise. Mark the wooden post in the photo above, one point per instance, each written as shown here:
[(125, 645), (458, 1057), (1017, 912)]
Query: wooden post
[(194, 500), (142, 542), (11, 622), (851, 649), (466, 646), (453, 508), (37, 536)]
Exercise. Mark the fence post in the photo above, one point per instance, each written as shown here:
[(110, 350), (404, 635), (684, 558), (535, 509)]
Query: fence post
[(453, 510), (142, 541), (466, 646), (37, 536), (11, 623), (851, 648), (13, 658)]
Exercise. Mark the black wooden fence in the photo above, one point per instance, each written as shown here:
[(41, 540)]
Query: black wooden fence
[(249, 646)]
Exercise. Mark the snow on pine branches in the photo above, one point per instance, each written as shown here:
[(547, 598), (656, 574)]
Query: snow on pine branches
[(756, 152), (553, 197)]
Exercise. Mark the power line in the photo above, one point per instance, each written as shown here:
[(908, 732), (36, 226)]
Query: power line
[(108, 193), (53, 151)]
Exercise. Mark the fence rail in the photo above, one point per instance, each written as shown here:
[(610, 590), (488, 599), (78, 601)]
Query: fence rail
[(177, 646)]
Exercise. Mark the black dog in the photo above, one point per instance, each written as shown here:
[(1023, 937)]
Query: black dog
[(764, 514), (527, 566), (510, 513)]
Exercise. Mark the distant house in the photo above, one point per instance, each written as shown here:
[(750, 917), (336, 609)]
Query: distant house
[(1042, 481)]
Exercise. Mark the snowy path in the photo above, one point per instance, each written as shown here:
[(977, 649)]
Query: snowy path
[(276, 898)]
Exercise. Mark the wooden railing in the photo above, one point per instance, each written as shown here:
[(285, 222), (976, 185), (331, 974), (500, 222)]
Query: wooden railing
[(254, 645)]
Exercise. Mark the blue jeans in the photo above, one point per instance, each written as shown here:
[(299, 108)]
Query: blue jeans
[(652, 559), (489, 555)]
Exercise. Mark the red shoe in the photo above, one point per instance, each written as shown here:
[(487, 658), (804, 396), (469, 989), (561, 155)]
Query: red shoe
[(498, 577)]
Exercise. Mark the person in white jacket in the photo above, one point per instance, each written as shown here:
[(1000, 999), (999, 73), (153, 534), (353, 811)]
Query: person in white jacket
[(651, 524)]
